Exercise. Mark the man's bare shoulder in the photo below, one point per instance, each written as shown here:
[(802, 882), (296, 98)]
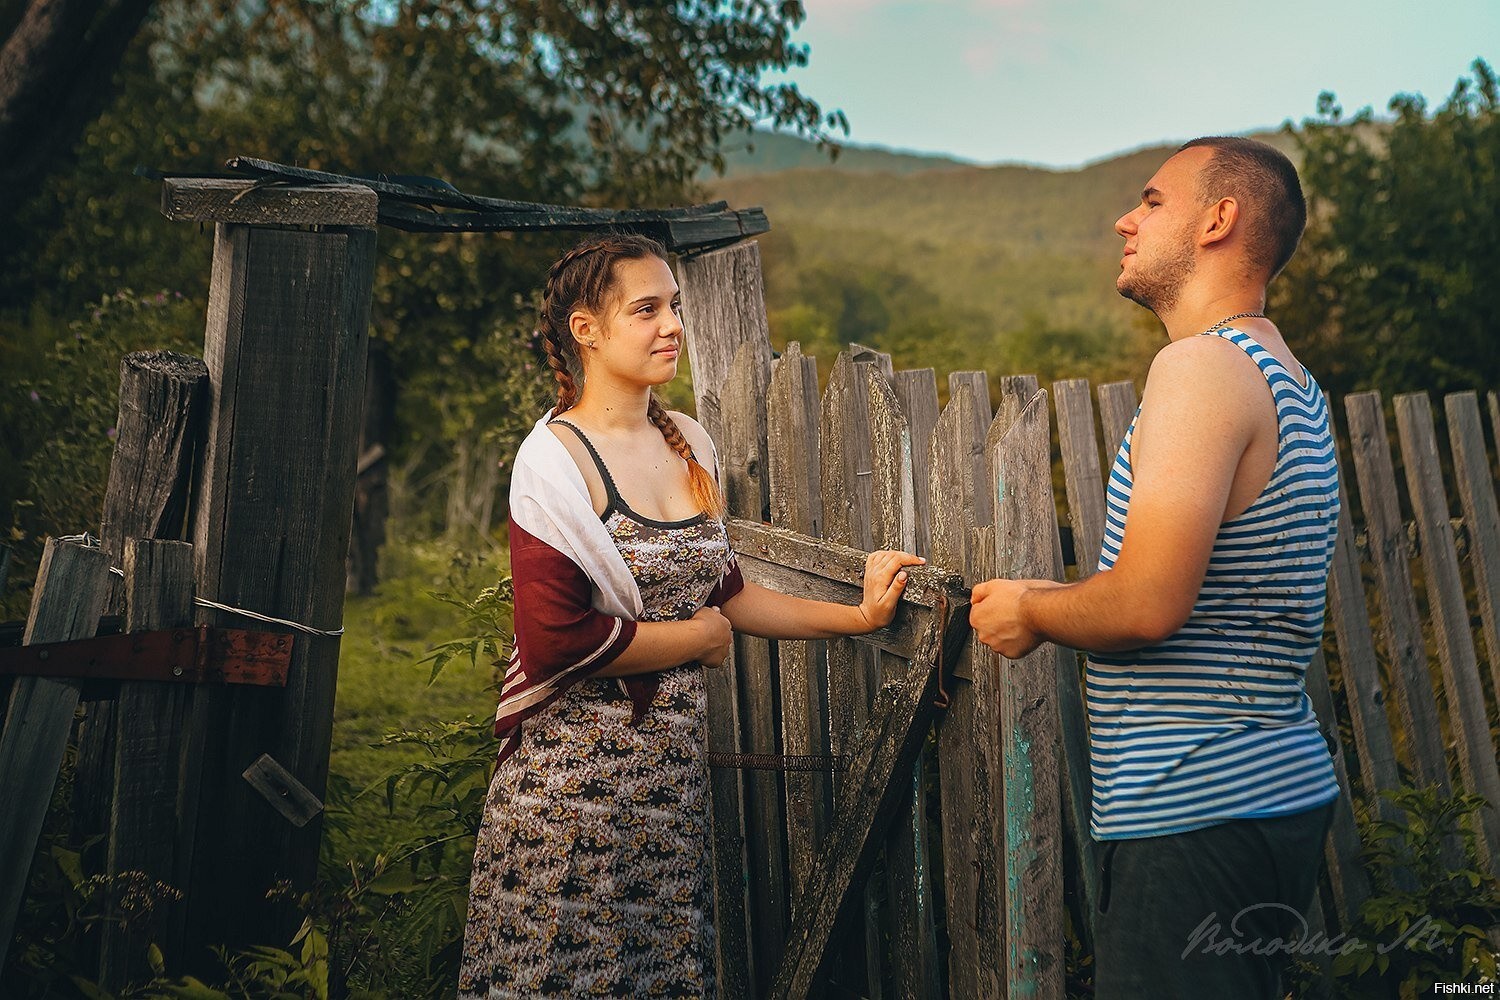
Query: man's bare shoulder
[(1204, 368)]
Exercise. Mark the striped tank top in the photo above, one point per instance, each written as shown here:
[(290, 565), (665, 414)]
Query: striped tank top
[(1214, 723)]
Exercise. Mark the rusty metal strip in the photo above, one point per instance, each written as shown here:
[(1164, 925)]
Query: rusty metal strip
[(778, 761), (203, 655)]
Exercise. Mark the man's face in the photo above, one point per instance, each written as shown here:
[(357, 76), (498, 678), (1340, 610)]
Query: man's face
[(1160, 249)]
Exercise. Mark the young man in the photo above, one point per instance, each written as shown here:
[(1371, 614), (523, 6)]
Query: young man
[(1212, 786)]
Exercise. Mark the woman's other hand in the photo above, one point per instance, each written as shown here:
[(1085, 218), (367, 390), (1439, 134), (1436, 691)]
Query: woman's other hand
[(716, 634), (885, 579)]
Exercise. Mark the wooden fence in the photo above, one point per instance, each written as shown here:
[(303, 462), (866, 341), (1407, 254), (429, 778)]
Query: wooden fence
[(985, 855)]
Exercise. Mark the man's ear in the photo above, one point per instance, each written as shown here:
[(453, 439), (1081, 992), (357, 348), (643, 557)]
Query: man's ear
[(1219, 221)]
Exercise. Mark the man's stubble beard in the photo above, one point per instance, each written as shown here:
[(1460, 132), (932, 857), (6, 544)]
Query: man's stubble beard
[(1158, 286)]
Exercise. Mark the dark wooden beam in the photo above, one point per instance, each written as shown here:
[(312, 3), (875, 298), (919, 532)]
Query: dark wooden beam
[(257, 203)]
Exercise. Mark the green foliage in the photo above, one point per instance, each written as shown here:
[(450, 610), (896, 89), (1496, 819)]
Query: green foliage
[(486, 617), (1392, 286), (59, 399), (1436, 930)]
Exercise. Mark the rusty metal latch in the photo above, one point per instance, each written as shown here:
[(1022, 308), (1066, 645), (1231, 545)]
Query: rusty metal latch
[(202, 655)]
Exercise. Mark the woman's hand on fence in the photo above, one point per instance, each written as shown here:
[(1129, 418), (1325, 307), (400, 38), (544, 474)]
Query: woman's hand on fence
[(717, 636), (885, 579)]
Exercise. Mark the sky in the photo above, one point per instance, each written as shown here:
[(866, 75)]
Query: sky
[(1064, 82)]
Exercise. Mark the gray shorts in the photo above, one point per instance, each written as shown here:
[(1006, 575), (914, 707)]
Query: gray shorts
[(1207, 913)]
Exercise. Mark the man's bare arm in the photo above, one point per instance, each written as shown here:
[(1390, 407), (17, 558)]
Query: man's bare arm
[(1201, 408)]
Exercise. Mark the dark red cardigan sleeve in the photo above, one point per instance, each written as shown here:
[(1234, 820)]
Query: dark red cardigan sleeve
[(557, 626)]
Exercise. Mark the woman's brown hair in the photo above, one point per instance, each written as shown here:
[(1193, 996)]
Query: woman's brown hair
[(583, 278)]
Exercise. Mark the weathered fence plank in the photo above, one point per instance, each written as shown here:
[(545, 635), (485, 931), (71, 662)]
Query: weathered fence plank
[(984, 412), (917, 390), (743, 398), (792, 427), (1084, 488), (844, 442), (1084, 482), (285, 344), (723, 301), (1027, 547), (147, 834), (1476, 492), (968, 734), (158, 435), (71, 588), (1117, 406), (1341, 850), (913, 948), (1400, 624), (1445, 598), (1359, 667)]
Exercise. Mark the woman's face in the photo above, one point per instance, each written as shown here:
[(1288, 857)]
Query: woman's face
[(637, 336)]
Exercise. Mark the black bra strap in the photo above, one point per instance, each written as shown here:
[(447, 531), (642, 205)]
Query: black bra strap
[(609, 481)]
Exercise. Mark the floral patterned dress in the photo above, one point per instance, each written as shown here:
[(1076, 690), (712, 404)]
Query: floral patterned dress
[(591, 872)]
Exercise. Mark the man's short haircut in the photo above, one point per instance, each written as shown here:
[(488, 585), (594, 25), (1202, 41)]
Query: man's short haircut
[(1262, 180)]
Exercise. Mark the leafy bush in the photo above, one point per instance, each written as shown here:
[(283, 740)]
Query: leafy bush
[(1434, 931)]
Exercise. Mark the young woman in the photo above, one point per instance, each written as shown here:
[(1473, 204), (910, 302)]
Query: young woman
[(591, 872)]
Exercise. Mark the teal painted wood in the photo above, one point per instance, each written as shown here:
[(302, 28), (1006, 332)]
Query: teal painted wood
[(1027, 547)]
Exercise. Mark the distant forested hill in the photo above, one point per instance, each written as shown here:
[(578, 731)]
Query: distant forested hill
[(948, 264)]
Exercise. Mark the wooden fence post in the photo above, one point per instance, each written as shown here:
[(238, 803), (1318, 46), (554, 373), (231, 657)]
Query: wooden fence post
[(147, 833), (1341, 849), (723, 299), (1399, 619), (1027, 547), (893, 525), (969, 733), (1117, 406), (792, 430), (1476, 491), (159, 434), (1450, 613), (1359, 666), (844, 444), (743, 402), (71, 587), (984, 412), (1084, 486), (286, 344), (917, 390)]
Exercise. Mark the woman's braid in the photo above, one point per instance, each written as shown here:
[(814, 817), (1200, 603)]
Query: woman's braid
[(705, 490)]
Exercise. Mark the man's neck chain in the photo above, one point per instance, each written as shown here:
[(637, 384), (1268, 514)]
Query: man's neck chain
[(1230, 319)]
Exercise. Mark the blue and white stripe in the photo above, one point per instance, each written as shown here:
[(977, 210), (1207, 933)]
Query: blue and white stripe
[(1214, 723)]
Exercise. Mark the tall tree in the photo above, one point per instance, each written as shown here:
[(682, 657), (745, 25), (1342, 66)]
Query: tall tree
[(1393, 287), (57, 61)]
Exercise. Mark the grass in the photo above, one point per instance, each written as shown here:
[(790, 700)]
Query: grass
[(384, 686)]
